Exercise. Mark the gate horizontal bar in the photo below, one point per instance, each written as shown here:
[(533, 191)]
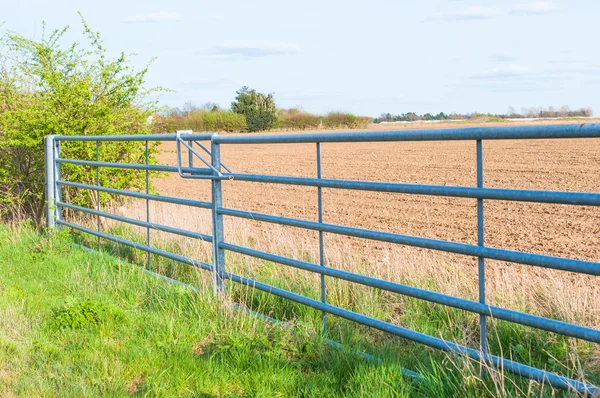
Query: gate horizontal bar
[(139, 137), (139, 246), (584, 130), (139, 195), (150, 167), (539, 260), (558, 197), (133, 221), (539, 322), (434, 342)]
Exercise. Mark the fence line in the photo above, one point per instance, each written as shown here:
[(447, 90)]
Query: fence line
[(217, 172)]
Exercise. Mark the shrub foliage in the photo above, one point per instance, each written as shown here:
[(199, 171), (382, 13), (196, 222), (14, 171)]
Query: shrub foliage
[(295, 119), (205, 120), (47, 88)]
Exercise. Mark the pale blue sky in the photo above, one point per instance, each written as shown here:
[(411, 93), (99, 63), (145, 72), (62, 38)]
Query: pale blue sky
[(366, 57)]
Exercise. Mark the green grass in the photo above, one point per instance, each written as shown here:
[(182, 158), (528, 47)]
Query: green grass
[(74, 323)]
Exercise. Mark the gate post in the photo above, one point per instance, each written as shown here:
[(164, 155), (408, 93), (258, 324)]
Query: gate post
[(51, 174), (484, 345), (217, 220)]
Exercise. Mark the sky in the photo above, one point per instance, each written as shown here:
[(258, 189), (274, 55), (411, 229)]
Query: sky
[(367, 57)]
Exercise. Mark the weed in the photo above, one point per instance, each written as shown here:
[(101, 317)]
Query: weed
[(80, 314)]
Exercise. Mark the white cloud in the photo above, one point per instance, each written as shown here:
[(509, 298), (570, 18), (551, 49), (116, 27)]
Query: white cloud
[(535, 8), (505, 72), (253, 49), (160, 16), (501, 58), (478, 12), (472, 13)]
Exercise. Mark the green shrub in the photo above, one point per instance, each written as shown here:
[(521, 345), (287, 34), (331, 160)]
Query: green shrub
[(232, 122), (48, 88), (296, 120), (345, 120), (203, 120), (223, 121)]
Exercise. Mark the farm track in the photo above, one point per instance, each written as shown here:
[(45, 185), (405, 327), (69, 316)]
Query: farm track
[(558, 165)]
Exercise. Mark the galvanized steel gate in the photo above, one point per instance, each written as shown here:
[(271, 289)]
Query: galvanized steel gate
[(214, 170)]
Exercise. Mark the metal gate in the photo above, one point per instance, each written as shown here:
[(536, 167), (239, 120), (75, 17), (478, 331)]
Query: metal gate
[(214, 170)]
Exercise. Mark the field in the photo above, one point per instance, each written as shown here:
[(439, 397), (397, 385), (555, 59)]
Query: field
[(558, 230), (561, 165), (567, 165)]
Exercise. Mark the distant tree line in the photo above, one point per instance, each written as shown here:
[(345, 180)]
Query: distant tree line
[(541, 112), (533, 112), (413, 117), (252, 111)]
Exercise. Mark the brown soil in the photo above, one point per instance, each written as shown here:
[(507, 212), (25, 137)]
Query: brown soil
[(563, 165)]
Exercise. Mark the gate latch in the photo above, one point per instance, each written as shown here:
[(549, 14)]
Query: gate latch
[(190, 171)]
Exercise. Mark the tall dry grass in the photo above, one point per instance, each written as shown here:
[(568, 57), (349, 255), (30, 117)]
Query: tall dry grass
[(564, 295)]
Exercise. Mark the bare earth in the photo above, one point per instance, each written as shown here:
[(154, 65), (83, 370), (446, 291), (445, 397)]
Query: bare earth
[(560, 165)]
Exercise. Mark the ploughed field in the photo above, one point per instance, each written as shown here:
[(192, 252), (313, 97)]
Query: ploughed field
[(558, 165)]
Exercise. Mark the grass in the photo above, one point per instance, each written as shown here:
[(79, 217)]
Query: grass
[(75, 323)]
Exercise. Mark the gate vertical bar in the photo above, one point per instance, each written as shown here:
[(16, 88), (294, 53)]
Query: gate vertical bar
[(147, 209), (98, 192), (217, 219), (321, 243), (191, 154), (480, 242), (50, 181)]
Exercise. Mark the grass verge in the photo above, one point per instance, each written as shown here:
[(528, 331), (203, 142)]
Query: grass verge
[(74, 323)]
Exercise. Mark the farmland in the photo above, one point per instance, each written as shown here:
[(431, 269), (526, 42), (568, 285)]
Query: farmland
[(558, 165)]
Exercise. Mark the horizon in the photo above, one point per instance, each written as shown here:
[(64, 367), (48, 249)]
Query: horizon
[(367, 59)]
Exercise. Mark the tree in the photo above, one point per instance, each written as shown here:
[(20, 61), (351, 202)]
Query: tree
[(46, 88), (188, 108), (564, 111), (211, 107), (259, 109)]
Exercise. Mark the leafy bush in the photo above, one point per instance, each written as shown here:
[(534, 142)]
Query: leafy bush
[(345, 120), (259, 109), (294, 119), (224, 121), (46, 88), (203, 120)]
